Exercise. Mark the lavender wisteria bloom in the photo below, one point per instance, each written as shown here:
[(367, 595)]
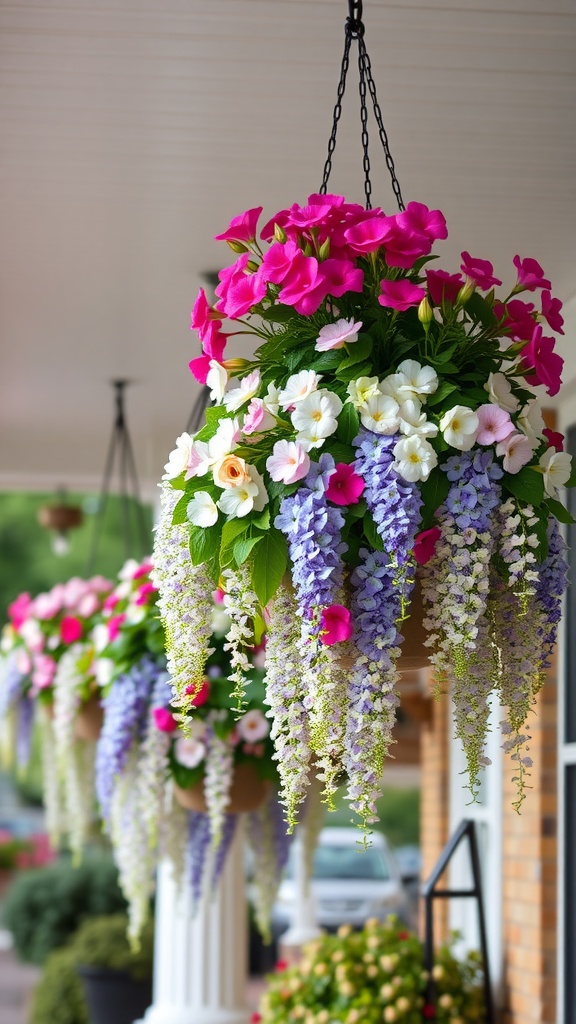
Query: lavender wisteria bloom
[(269, 843), (382, 585), (125, 719), (197, 851), (13, 697), (550, 589)]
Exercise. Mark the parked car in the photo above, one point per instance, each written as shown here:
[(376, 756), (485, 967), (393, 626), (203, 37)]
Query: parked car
[(349, 885)]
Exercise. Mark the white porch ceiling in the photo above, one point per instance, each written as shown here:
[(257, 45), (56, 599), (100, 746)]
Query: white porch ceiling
[(132, 130)]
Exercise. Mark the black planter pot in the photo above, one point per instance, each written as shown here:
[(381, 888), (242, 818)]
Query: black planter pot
[(114, 997)]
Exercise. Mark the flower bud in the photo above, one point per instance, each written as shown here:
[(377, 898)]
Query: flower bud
[(252, 266), (324, 250), (235, 365), (279, 234), (238, 247), (425, 313), (466, 292)]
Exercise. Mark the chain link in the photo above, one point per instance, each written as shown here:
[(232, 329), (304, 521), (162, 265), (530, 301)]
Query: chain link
[(354, 29)]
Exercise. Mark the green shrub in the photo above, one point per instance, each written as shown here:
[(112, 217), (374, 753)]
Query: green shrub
[(45, 906), (59, 995), (102, 942)]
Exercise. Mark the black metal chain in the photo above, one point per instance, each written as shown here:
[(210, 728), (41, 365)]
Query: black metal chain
[(354, 29)]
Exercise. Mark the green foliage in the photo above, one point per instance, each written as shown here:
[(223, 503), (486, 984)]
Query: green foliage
[(359, 976), (28, 562), (269, 565), (102, 942), (45, 905), (59, 995), (398, 813)]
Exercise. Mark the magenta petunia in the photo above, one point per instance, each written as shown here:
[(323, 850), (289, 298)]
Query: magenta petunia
[(551, 311), (114, 625), (481, 272), (530, 274), (164, 721), (345, 486), (19, 610), (300, 279), (417, 217), (241, 228), (143, 593), (336, 625), (517, 318), (403, 246), (555, 439), (202, 696), (400, 294), (443, 287), (368, 234), (70, 629), (542, 364), (425, 544)]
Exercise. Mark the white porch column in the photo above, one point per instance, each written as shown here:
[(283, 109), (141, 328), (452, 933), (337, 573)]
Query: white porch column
[(201, 962), (303, 927)]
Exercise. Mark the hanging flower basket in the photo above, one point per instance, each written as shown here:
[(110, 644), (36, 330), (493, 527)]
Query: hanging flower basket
[(248, 792)]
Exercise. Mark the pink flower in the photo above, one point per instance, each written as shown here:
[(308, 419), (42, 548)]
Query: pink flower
[(516, 451), (311, 216), (241, 228), (19, 610), (218, 596), (443, 287), (425, 544), (113, 625), (494, 424), (202, 696), (544, 364), (481, 272), (110, 602), (143, 593), (340, 276), (403, 247), (257, 418), (253, 726), (517, 319), (88, 605), (555, 439), (551, 312), (164, 721), (336, 625), (278, 260), (335, 335), (44, 671), (46, 606), (253, 749), (345, 486), (143, 570), (300, 279), (530, 275), (417, 217), (288, 462), (70, 629), (368, 234), (203, 314), (400, 294)]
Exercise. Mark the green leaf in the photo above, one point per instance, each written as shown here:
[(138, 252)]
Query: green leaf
[(348, 424), (279, 313), (557, 509), (434, 492), (231, 532), (179, 516), (340, 452), (445, 389), (358, 351), (358, 510), (326, 361), (372, 536), (269, 566), (243, 547), (527, 485), (478, 309), (262, 522), (347, 373), (205, 547)]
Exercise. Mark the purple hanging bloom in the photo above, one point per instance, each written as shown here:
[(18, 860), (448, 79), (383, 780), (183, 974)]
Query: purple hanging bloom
[(199, 840), (550, 589), (25, 721), (226, 840), (11, 685)]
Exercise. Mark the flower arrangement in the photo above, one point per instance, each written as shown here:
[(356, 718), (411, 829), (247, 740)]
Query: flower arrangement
[(371, 976), (386, 433)]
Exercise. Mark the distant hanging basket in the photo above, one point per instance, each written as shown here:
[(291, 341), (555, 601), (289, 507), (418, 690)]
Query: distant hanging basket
[(60, 517)]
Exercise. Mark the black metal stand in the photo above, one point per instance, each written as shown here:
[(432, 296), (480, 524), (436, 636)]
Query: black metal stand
[(137, 541), (198, 409), (465, 830)]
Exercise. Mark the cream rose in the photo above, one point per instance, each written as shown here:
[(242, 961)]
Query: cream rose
[(230, 471)]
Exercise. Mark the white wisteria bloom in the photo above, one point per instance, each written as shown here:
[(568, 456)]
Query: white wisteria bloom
[(243, 392), (216, 380), (531, 422), (298, 387), (411, 380), (248, 496), (459, 427), (413, 420), (202, 510), (557, 467), (336, 335), (315, 418), (178, 458), (500, 392), (414, 458), (381, 414), (360, 390)]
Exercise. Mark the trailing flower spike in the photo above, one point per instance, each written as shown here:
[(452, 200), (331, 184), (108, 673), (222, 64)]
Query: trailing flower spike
[(383, 433)]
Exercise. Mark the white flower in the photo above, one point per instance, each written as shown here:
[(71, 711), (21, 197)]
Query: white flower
[(500, 392), (100, 637), (253, 726), (530, 421), (298, 387), (315, 418), (250, 495), (202, 510), (127, 571), (245, 390), (336, 335), (178, 459), (135, 614), (204, 455), (381, 414), (216, 380), (413, 420), (414, 457), (360, 390), (189, 751), (270, 399), (220, 620), (411, 380), (557, 468), (103, 670), (459, 427), (515, 450)]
